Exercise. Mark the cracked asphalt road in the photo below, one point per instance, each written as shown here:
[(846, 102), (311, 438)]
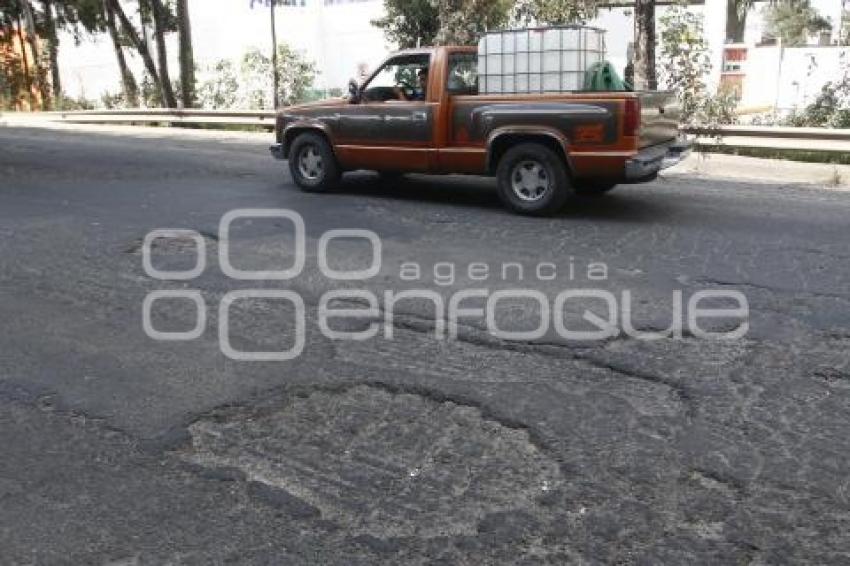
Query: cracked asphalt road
[(119, 449)]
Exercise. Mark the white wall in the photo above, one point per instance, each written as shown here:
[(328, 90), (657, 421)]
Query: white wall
[(797, 81), (337, 37)]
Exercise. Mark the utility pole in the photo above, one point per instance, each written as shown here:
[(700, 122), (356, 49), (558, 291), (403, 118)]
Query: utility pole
[(275, 70)]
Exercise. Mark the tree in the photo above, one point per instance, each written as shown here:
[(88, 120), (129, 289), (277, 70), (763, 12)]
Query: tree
[(685, 64), (644, 62), (555, 12), (187, 58), (53, 52), (221, 90), (128, 81), (462, 22), (410, 23), (736, 19), (75, 16), (130, 32), (163, 22), (297, 76), (793, 21)]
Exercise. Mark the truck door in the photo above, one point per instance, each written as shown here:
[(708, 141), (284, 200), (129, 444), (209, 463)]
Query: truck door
[(458, 153), (392, 125)]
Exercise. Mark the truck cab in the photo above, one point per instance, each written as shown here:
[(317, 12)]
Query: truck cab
[(420, 111)]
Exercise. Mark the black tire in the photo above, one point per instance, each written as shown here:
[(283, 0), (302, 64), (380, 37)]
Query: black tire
[(533, 163), (316, 175), (594, 188)]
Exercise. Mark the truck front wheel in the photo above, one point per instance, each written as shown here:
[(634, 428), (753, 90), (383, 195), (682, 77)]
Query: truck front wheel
[(313, 164), (533, 180)]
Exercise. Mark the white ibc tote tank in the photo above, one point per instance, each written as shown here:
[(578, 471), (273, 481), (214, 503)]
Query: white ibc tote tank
[(538, 60)]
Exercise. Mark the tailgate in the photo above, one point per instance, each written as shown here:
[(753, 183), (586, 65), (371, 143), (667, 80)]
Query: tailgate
[(659, 117)]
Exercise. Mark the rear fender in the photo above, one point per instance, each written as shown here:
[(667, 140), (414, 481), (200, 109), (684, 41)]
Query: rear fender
[(503, 138)]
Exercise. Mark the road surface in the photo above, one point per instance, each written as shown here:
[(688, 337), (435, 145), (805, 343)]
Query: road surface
[(118, 448)]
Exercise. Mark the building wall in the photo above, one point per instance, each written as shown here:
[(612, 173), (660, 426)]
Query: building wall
[(790, 78)]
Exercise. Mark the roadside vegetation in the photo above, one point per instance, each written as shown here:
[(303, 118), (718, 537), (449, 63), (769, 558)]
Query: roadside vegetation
[(685, 63)]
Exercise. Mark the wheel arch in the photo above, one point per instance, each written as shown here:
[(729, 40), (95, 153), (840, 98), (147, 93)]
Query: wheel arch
[(294, 130), (500, 141)]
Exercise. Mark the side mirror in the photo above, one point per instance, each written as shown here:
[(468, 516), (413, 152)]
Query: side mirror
[(353, 91)]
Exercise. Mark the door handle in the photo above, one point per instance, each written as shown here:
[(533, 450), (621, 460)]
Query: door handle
[(419, 116)]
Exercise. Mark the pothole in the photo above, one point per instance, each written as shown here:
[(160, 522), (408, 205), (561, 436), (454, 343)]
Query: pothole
[(173, 245), (382, 463)]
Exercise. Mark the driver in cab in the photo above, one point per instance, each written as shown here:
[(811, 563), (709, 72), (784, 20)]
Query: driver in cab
[(420, 93)]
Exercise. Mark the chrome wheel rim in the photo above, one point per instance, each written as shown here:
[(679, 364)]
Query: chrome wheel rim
[(310, 163), (530, 180)]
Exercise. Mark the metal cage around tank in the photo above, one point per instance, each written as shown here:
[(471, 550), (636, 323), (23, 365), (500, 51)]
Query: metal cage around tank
[(538, 60)]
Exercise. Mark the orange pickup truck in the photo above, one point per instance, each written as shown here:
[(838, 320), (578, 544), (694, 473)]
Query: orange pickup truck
[(420, 111)]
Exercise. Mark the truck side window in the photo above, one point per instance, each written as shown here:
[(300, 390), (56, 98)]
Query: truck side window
[(399, 78), (463, 73)]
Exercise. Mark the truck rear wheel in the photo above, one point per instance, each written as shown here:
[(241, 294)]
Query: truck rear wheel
[(533, 180), (313, 164)]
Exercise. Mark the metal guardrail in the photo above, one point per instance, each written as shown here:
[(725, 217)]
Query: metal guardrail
[(265, 119), (829, 140), (763, 137)]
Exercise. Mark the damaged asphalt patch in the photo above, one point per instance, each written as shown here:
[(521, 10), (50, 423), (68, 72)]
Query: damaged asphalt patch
[(381, 463)]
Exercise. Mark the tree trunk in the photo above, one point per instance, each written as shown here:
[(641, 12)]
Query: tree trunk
[(131, 89), (28, 82), (53, 47), (644, 64), (736, 21), (159, 29), (134, 38), (275, 66), (32, 38), (187, 56)]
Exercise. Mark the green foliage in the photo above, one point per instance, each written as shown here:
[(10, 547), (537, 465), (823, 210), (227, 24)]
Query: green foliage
[(462, 22), (409, 23), (113, 100), (831, 108), (685, 63), (250, 85), (793, 21), (555, 12), (79, 103), (150, 95), (297, 76), (221, 90)]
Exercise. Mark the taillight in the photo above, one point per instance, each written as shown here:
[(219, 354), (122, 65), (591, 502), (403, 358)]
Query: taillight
[(631, 117)]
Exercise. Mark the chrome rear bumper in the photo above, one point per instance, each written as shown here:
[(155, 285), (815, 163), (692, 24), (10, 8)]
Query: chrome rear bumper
[(648, 162)]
